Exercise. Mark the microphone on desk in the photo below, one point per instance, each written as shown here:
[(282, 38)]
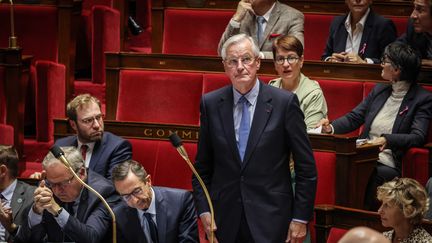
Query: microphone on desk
[(178, 144), (59, 154)]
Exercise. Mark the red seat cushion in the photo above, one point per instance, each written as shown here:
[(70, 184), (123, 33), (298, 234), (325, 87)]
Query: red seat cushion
[(195, 32), (6, 134), (316, 30), (326, 169), (160, 97), (145, 152), (213, 81), (400, 22)]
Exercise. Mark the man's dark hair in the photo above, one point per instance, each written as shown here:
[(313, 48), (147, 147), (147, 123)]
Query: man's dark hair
[(121, 171), (403, 57), (9, 158)]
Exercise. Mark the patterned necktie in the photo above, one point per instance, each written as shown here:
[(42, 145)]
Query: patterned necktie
[(244, 126), (152, 227), (84, 151), (260, 30)]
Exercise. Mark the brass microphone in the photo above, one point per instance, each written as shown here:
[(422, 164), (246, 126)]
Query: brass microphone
[(177, 143)]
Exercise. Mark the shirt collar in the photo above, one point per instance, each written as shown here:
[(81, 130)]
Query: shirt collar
[(251, 96), (152, 208), (268, 13), (89, 145), (360, 23), (8, 192)]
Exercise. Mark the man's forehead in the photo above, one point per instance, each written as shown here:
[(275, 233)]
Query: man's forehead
[(422, 2)]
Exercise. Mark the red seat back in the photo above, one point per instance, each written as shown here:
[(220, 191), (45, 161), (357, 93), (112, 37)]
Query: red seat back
[(2, 97), (213, 81), (160, 97), (316, 31), (326, 169), (341, 97), (145, 152), (400, 22), (195, 32), (29, 22)]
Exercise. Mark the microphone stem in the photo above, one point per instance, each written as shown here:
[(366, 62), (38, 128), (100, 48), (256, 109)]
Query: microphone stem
[(114, 228), (185, 156)]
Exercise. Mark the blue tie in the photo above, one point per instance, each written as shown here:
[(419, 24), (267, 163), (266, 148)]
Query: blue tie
[(244, 126), (260, 30), (152, 227)]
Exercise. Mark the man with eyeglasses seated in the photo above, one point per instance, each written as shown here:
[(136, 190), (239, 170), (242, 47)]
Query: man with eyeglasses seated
[(151, 214), (65, 211), (288, 61), (248, 132), (101, 150)]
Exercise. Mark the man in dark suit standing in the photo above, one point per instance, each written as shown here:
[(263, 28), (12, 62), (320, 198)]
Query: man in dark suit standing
[(359, 36), (152, 214), (16, 196), (101, 150), (248, 132), (65, 211)]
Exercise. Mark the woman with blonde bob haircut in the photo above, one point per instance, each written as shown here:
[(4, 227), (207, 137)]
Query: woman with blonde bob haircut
[(404, 204)]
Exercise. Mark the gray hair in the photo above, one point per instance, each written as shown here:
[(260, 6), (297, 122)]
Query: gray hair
[(72, 155), (235, 39), (121, 171)]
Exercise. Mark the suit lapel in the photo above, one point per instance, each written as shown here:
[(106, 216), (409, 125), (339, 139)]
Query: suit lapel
[(161, 214), (17, 199), (274, 17), (83, 205), (96, 153), (342, 39), (226, 117), (404, 108), (263, 111), (133, 224), (368, 27)]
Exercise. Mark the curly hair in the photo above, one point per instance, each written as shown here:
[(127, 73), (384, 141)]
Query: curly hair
[(408, 195)]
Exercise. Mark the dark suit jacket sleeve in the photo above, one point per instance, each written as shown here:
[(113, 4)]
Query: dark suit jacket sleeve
[(120, 154), (203, 162), (304, 165), (419, 126), (188, 229)]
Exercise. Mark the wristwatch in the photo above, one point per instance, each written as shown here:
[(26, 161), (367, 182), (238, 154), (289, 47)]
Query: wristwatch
[(58, 212)]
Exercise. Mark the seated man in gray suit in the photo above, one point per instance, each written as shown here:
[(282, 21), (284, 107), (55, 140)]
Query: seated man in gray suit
[(152, 214), (264, 20), (15, 195), (65, 211)]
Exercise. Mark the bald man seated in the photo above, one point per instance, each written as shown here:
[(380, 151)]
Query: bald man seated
[(363, 235)]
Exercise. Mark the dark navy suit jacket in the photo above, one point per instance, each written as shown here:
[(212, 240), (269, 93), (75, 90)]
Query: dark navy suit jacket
[(378, 32), (109, 152), (261, 184), (175, 218), (91, 224), (411, 124)]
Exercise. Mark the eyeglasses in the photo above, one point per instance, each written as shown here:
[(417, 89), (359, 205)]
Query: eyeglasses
[(90, 120), (234, 62), (290, 59), (136, 192), (62, 184), (385, 60)]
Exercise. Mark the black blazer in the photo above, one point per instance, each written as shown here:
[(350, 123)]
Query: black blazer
[(175, 218), (378, 32), (411, 124), (261, 184)]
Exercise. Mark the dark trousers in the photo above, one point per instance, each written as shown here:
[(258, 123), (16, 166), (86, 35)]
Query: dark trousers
[(380, 175), (244, 235)]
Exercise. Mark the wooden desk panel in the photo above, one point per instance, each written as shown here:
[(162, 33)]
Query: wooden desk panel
[(353, 165)]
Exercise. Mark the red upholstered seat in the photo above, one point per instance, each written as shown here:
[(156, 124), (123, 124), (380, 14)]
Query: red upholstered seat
[(213, 81), (316, 30), (105, 27), (400, 22), (6, 134), (326, 168), (196, 32), (145, 152), (341, 97), (335, 234), (161, 97), (171, 169)]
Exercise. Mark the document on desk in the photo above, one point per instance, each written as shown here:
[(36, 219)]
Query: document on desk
[(315, 130)]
